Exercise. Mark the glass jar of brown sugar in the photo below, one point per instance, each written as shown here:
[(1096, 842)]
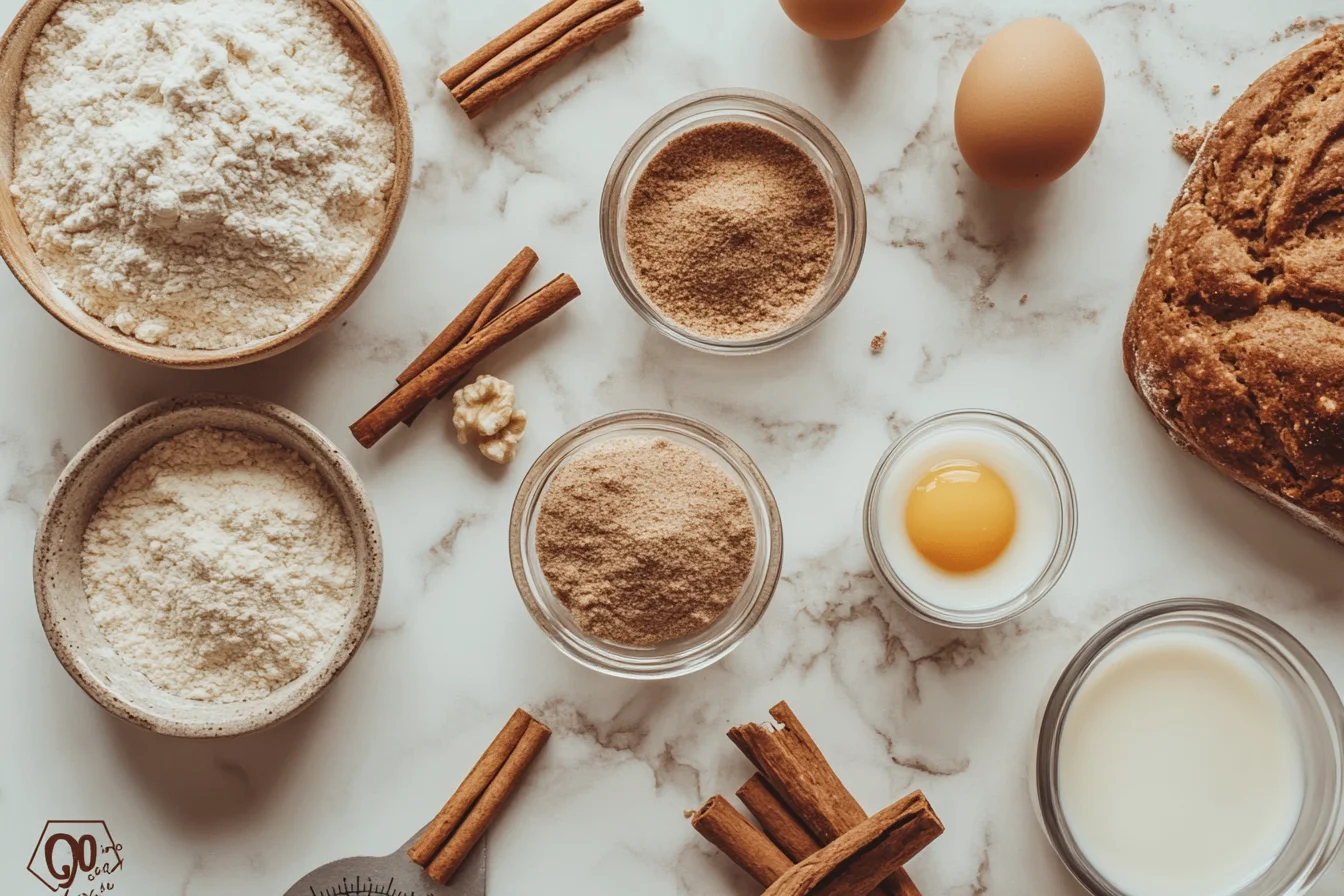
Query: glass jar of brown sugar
[(733, 221)]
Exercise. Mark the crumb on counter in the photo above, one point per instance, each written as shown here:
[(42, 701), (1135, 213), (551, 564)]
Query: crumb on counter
[(1216, 89), (1023, 300), (1301, 25), (1189, 141), (878, 343)]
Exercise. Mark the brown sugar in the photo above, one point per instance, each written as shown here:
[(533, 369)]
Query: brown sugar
[(731, 230), (644, 540)]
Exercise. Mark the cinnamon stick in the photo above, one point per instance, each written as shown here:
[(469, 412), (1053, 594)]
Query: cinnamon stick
[(796, 770), (489, 313), (539, 39), (496, 294), (421, 390), (533, 45), (477, 312), (496, 305), (454, 75), (473, 827), (470, 790), (857, 861), (776, 819), (719, 823)]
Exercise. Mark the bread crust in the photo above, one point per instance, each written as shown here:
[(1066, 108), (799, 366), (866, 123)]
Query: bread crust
[(1235, 338)]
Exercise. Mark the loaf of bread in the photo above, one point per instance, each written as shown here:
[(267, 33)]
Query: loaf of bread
[(1235, 339)]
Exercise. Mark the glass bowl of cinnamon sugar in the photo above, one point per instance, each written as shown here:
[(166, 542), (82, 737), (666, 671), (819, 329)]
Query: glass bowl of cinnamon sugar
[(733, 221), (645, 544)]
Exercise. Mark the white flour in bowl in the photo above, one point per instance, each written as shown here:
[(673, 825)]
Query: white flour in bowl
[(220, 565), (201, 174)]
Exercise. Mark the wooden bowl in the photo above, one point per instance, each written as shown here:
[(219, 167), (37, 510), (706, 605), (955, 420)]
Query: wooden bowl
[(58, 580), (18, 252)]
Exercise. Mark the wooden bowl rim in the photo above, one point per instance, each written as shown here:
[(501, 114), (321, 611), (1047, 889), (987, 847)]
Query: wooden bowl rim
[(13, 245)]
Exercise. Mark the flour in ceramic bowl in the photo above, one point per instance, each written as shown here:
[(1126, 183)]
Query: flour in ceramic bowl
[(219, 565), (201, 174)]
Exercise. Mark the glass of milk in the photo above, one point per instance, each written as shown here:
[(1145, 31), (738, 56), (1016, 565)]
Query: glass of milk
[(1192, 748)]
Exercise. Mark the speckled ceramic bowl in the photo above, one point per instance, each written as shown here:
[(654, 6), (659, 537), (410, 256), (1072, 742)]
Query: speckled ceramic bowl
[(63, 606)]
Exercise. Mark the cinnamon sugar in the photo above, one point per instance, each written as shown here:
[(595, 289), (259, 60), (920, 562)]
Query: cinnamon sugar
[(731, 230), (644, 540)]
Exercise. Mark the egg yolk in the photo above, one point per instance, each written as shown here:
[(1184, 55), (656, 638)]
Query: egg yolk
[(961, 516)]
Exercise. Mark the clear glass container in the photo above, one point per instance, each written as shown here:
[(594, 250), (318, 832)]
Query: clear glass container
[(672, 658), (789, 121), (1313, 704), (1063, 517)]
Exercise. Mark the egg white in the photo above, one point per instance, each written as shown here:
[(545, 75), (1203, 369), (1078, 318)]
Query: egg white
[(1034, 538)]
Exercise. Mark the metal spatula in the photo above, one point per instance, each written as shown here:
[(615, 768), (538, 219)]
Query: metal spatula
[(394, 875)]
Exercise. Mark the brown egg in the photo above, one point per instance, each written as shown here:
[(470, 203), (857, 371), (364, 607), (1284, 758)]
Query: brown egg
[(840, 19), (1030, 104)]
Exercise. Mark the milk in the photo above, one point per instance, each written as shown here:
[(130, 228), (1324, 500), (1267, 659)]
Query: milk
[(1180, 768)]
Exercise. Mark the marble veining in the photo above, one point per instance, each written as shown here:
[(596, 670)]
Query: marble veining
[(1013, 302)]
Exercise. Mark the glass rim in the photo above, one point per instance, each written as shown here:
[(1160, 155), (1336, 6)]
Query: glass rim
[(1254, 633), (1050, 573), (839, 172), (684, 655)]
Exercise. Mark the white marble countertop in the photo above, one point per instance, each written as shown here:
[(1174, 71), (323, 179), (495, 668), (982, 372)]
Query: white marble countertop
[(895, 703)]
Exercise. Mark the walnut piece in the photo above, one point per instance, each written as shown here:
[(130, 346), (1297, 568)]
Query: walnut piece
[(483, 413), (482, 409), (502, 447)]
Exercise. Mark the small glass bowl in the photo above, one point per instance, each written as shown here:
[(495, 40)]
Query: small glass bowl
[(672, 658), (1066, 518), (1314, 705), (789, 121)]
